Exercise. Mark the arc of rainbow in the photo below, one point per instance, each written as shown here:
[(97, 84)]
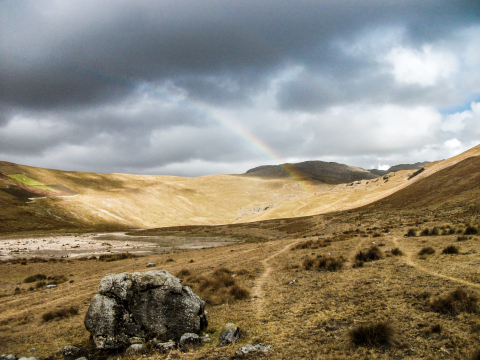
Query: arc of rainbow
[(235, 128)]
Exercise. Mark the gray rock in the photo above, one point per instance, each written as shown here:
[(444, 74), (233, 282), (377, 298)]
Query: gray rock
[(229, 335), (71, 352), (151, 304), (205, 339), (82, 358), (150, 265), (166, 346), (252, 348), (30, 358), (51, 286), (190, 339), (8, 357), (134, 349)]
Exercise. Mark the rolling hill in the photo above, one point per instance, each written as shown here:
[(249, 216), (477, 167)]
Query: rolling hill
[(36, 199)]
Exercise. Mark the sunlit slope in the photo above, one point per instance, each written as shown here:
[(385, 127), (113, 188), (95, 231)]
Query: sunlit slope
[(64, 199), (456, 185)]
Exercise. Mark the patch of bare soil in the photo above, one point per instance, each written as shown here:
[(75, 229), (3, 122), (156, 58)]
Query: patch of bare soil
[(80, 245)]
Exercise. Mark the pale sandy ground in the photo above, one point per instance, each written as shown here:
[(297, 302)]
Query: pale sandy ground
[(72, 246)]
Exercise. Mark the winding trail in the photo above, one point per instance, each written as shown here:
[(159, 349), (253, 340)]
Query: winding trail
[(258, 290), (409, 261)]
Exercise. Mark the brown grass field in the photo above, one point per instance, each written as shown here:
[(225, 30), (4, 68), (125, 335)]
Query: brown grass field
[(401, 306)]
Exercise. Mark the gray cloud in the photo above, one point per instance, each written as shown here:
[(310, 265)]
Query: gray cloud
[(149, 85)]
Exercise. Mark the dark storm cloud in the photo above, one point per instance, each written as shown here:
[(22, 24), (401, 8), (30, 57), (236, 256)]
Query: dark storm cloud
[(57, 54), (137, 85)]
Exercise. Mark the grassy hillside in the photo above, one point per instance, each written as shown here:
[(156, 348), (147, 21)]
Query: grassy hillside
[(36, 199)]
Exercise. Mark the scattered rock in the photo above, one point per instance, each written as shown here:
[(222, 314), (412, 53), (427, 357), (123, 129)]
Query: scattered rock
[(292, 282), (30, 358), (253, 348), (71, 352), (229, 335), (165, 346), (151, 304), (51, 286), (190, 339), (206, 338), (8, 357), (134, 349), (150, 265)]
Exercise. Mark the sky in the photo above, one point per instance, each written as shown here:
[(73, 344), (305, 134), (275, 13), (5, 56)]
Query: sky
[(194, 88)]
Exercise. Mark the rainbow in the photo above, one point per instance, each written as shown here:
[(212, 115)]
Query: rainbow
[(235, 128)]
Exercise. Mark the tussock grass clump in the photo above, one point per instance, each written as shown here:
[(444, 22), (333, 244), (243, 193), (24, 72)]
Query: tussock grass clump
[(33, 278), (17, 291), (376, 234), (450, 250), (328, 263), (60, 313), (371, 254), (57, 279), (40, 284), (372, 335), (358, 264), (428, 250), (475, 355), (456, 302), (471, 230), (217, 289), (311, 244), (396, 252), (115, 257), (184, 272), (411, 232), (239, 292), (462, 238)]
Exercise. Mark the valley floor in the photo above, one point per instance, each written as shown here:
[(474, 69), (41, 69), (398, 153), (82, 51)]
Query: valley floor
[(309, 318)]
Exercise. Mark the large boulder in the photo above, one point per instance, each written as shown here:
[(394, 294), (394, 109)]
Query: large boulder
[(143, 305)]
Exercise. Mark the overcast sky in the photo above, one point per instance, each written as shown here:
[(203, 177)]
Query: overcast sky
[(206, 87)]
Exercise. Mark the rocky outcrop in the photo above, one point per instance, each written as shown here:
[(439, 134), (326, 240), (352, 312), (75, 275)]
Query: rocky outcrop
[(143, 305)]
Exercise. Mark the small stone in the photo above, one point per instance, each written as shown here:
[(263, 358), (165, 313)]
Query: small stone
[(8, 357), (166, 346), (292, 282), (150, 265), (189, 339), (33, 350), (252, 348), (71, 352), (82, 358), (229, 335), (51, 286), (134, 349)]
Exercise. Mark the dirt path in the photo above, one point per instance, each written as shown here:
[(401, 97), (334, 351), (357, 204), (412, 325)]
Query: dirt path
[(258, 290), (409, 261)]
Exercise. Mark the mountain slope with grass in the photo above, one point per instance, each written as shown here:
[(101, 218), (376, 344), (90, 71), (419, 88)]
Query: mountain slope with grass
[(36, 199)]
